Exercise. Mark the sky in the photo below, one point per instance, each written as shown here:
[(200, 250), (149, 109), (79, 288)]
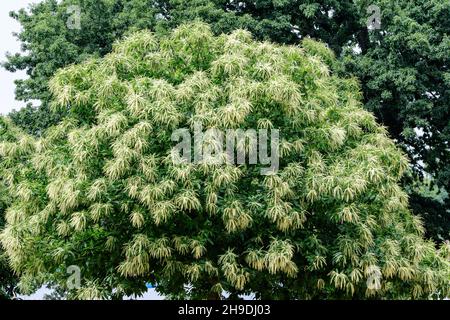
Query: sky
[(39, 295), (10, 44)]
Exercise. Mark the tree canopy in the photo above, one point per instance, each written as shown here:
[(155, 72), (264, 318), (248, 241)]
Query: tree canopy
[(101, 191), (8, 279), (403, 66)]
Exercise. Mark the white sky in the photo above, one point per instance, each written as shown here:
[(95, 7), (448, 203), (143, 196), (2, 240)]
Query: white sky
[(9, 44), (39, 295)]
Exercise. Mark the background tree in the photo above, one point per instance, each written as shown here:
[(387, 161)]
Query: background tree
[(100, 190), (429, 200), (404, 69), (403, 66)]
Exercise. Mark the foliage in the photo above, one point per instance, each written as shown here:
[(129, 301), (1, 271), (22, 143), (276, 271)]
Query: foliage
[(434, 214), (8, 280), (430, 202), (100, 189), (403, 67), (34, 120), (49, 44)]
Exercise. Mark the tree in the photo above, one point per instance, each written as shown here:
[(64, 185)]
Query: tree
[(8, 279), (102, 190), (49, 44), (404, 69), (403, 66), (429, 200)]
